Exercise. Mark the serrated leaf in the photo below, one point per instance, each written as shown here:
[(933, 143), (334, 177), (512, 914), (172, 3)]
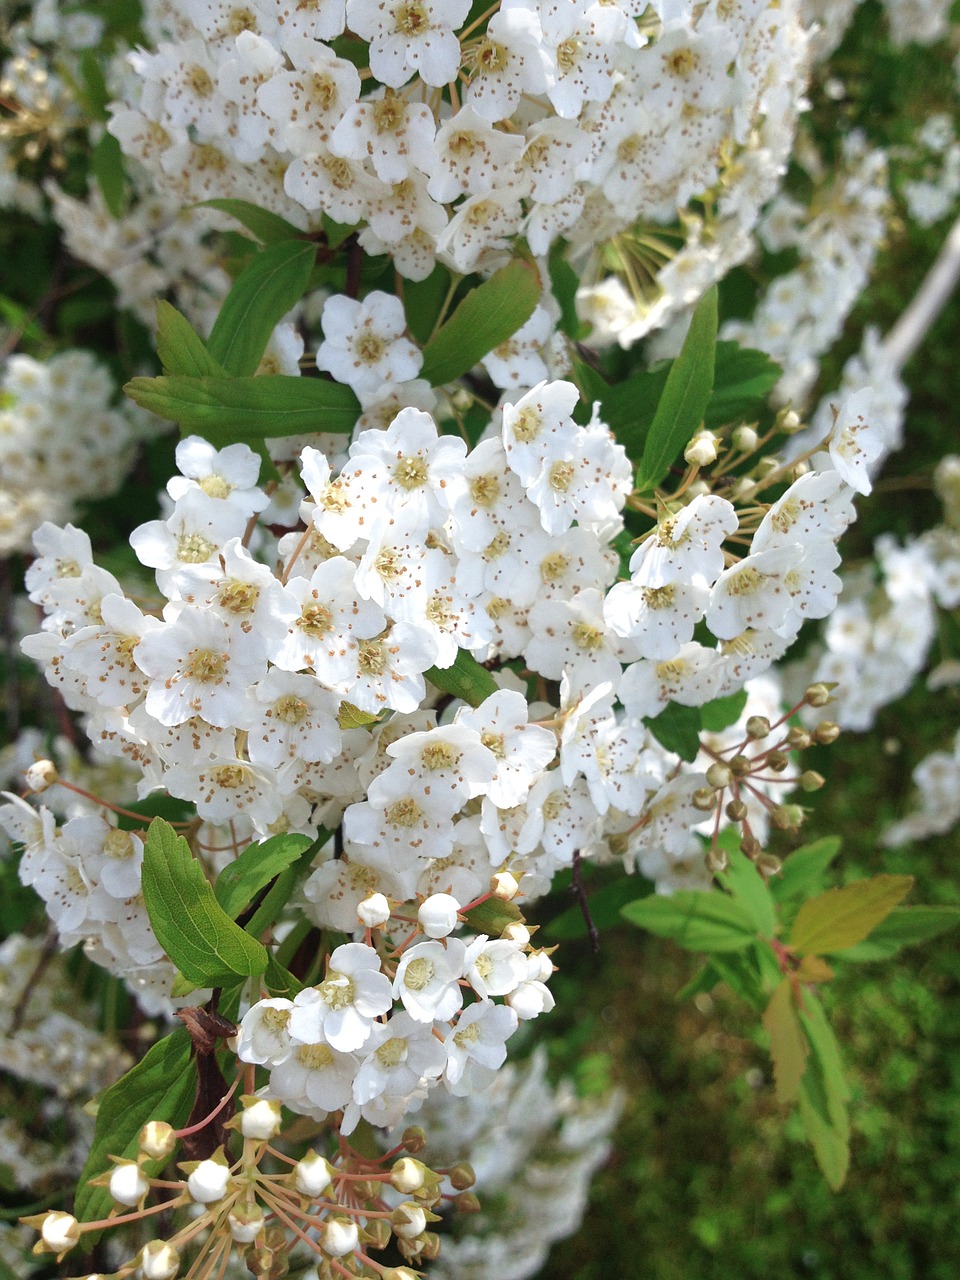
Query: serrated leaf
[(685, 396), (841, 918), (604, 906), (788, 1044), (180, 348), (465, 679), (824, 1094), (904, 927), (227, 409), (678, 729), (743, 379), (351, 717), (107, 164), (269, 228), (742, 879), (740, 970), (721, 713), (489, 315), (191, 926), (266, 290), (162, 1086), (699, 921), (805, 868), (492, 916), (239, 882)]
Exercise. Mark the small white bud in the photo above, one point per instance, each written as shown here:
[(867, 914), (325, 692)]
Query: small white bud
[(438, 916), (60, 1231), (159, 1260), (702, 449), (157, 1139), (407, 1175), (503, 885), (339, 1237), (745, 439), (408, 1221), (517, 933), (373, 911), (261, 1119), (312, 1175), (40, 775), (127, 1184), (208, 1182), (246, 1223)]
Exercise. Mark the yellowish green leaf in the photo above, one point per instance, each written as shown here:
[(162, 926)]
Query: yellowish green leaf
[(788, 1044), (841, 918)]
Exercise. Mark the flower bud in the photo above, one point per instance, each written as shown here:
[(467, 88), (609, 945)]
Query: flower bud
[(398, 1273), (429, 1244), (408, 1221), (788, 420), (717, 859), (504, 886), (777, 761), (373, 911), (128, 1186), (60, 1232), (517, 933), (719, 776), (208, 1182), (438, 915), (408, 1175), (811, 780), (159, 1260), (339, 1236), (703, 799), (462, 1176), (702, 449), (466, 1202), (798, 739), (758, 727), (744, 489), (312, 1175), (260, 1119), (40, 775), (826, 732), (414, 1139), (740, 766), (751, 846), (745, 439), (246, 1223), (157, 1140), (736, 811), (817, 695)]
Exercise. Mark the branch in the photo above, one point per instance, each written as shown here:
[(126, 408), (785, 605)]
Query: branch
[(910, 330)]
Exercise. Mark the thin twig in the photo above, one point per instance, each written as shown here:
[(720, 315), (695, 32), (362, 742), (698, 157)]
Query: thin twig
[(933, 295)]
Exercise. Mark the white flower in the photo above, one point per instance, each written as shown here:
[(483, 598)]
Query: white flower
[(208, 1182), (312, 1175), (342, 1008), (265, 1032), (403, 1052), (438, 915), (363, 344), (427, 980), (408, 36), (855, 442), (476, 1045), (226, 475)]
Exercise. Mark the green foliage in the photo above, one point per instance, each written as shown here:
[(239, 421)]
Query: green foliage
[(192, 927), (698, 921), (107, 163), (840, 918), (465, 679), (240, 881), (268, 228), (742, 381), (678, 729), (180, 347)]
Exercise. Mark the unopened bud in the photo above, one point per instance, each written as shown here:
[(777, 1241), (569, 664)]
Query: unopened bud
[(208, 1182), (769, 464), (157, 1140), (736, 811), (703, 799), (429, 1244), (798, 739), (373, 911), (503, 885), (702, 449), (246, 1222), (438, 915), (717, 859), (817, 695), (788, 421), (159, 1260), (466, 1202), (376, 1233), (719, 776), (312, 1175), (750, 846), (517, 933), (260, 1119), (40, 775), (462, 1176), (408, 1221), (339, 1236), (414, 1139), (744, 489), (777, 761), (758, 727), (740, 766), (745, 439), (811, 780), (768, 865), (408, 1175), (128, 1185), (826, 732), (780, 818), (60, 1232)]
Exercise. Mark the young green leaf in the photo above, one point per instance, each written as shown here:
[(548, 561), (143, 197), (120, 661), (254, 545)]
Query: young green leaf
[(180, 348), (678, 729), (162, 1086), (564, 283), (191, 926), (269, 228), (747, 885), (904, 927), (721, 713), (492, 916), (239, 882), (827, 1127), (841, 918), (743, 379), (805, 868), (685, 396), (107, 163), (275, 281), (629, 407), (699, 921), (788, 1044), (227, 409), (742, 972), (488, 316), (465, 679), (423, 301)]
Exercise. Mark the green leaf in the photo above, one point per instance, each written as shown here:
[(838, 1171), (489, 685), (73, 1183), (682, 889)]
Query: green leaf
[(269, 228), (721, 713), (678, 729), (564, 283), (336, 232), (191, 926), (604, 905), (628, 408), (94, 92), (747, 885), (488, 315), (904, 927), (274, 282), (699, 921), (227, 409), (740, 970), (162, 1086), (423, 301), (685, 396), (841, 918), (704, 980), (280, 981), (492, 916), (239, 882), (180, 347), (107, 163), (788, 1044), (824, 1094), (465, 679), (805, 869), (743, 379)]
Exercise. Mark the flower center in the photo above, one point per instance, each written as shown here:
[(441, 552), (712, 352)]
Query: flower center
[(659, 597), (207, 666), (200, 82), (554, 566), (587, 637), (466, 1036), (291, 709), (216, 487), (369, 348), (403, 813), (439, 755), (412, 19), (314, 1056), (418, 974), (560, 476), (485, 490), (118, 844), (193, 548), (527, 425), (337, 990), (411, 472), (315, 620), (392, 1052), (238, 597), (372, 658)]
